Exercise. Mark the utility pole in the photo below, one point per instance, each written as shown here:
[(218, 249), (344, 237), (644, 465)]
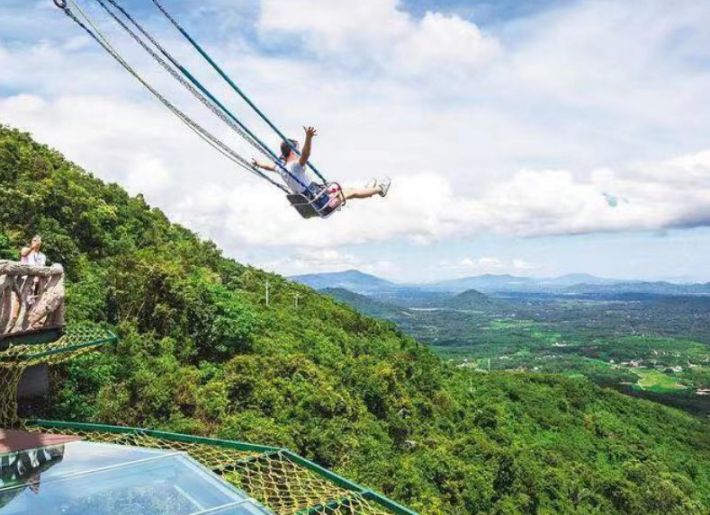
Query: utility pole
[(266, 285)]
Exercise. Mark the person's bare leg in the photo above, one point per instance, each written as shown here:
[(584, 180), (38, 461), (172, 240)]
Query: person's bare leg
[(351, 193)]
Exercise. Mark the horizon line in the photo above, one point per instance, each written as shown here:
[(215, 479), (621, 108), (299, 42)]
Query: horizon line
[(532, 277)]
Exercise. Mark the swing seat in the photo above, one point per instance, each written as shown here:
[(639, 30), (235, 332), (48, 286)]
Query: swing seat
[(319, 203)]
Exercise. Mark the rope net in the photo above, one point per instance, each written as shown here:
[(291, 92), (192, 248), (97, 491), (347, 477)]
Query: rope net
[(271, 478), (16, 359)]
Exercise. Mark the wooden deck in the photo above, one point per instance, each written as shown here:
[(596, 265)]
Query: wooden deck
[(11, 441)]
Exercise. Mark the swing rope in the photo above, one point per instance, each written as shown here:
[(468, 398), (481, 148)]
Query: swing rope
[(212, 140), (194, 86), (232, 84), (198, 90)]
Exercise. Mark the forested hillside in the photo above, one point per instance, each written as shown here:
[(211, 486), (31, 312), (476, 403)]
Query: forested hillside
[(200, 352)]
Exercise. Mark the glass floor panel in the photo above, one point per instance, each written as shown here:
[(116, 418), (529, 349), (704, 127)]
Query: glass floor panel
[(85, 478)]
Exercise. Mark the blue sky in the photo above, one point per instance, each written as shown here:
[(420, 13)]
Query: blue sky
[(483, 12), (533, 138)]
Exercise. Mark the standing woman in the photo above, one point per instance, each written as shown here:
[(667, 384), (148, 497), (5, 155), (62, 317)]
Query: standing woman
[(31, 255)]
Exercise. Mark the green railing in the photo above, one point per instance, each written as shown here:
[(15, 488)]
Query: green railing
[(343, 494)]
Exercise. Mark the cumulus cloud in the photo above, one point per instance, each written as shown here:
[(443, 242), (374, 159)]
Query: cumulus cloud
[(425, 208), (378, 33)]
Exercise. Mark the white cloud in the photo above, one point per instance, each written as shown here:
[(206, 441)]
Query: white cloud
[(674, 193), (109, 135), (442, 42), (423, 207), (148, 175), (487, 265), (378, 33), (521, 264), (306, 260)]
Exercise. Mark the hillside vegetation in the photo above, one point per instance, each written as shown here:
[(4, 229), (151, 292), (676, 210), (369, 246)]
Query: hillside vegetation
[(200, 352)]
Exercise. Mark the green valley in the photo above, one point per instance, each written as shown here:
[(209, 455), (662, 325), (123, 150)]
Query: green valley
[(645, 345)]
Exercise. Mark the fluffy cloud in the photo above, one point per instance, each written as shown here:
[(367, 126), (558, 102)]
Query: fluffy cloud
[(425, 207), (378, 33)]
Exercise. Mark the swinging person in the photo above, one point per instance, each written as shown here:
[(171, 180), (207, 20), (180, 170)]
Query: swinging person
[(297, 179)]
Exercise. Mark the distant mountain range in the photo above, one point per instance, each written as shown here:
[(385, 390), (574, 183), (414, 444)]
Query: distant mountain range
[(656, 288), (352, 280), (487, 282), (506, 283), (570, 284), (388, 309)]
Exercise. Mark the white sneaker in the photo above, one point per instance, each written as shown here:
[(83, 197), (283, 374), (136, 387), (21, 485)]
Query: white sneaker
[(385, 186)]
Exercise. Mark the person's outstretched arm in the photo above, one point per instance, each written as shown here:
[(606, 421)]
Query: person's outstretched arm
[(306, 153), (264, 166)]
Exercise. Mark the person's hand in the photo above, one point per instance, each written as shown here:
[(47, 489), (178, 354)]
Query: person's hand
[(310, 132)]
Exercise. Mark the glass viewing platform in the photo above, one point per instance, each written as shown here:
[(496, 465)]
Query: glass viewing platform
[(67, 468), (80, 477)]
